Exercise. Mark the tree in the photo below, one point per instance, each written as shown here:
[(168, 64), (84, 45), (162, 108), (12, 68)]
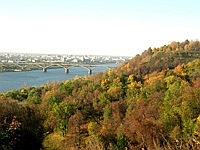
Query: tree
[(21, 127), (63, 112)]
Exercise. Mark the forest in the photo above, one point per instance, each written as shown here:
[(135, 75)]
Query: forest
[(151, 102)]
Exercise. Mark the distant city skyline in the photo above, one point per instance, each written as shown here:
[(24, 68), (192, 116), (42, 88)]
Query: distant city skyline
[(95, 27)]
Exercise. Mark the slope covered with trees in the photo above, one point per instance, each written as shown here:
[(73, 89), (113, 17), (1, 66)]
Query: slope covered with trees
[(150, 102), (164, 57)]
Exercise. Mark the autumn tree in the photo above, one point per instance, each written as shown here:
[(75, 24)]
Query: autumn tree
[(21, 127)]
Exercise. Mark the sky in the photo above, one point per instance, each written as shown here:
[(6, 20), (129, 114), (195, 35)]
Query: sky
[(95, 27)]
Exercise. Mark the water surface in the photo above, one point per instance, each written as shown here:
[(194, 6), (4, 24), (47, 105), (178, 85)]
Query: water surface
[(17, 80)]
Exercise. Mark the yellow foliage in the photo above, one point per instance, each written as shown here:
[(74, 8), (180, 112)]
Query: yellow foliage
[(105, 83), (131, 78), (115, 92), (110, 72), (150, 79), (93, 128), (198, 119)]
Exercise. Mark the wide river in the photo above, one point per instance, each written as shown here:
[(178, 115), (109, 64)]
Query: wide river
[(17, 80)]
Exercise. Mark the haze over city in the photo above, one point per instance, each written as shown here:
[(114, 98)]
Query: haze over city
[(95, 27)]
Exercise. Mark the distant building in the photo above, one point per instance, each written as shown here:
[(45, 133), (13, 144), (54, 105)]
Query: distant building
[(63, 59), (10, 61), (4, 61), (75, 60), (86, 60)]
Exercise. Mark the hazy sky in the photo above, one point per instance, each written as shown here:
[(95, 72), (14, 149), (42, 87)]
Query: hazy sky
[(100, 27)]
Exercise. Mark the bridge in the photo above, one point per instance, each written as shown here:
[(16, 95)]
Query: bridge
[(23, 66)]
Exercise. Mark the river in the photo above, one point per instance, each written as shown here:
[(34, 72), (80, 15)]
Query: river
[(17, 80)]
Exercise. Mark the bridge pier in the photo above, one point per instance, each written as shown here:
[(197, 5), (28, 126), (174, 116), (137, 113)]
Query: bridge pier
[(66, 70), (89, 71), (44, 69)]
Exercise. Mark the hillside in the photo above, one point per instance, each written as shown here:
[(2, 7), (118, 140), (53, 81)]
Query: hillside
[(149, 102), (165, 57)]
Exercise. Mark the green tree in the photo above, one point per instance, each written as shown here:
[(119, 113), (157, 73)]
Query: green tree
[(63, 111)]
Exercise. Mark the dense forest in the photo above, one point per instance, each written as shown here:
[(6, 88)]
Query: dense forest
[(149, 102)]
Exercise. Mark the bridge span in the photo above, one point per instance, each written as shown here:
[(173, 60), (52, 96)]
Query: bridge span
[(46, 66), (89, 68)]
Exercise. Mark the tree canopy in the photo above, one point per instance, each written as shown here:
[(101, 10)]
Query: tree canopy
[(149, 102)]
